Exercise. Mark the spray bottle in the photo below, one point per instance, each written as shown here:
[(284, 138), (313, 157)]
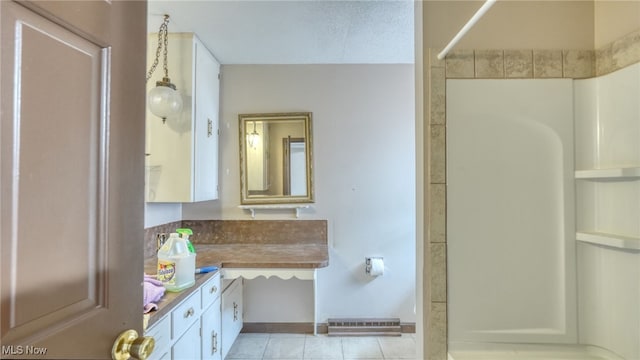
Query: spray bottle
[(185, 233)]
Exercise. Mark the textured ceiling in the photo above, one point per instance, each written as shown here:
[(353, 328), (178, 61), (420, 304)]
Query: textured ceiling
[(295, 32)]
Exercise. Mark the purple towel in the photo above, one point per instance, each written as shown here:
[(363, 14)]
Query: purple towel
[(153, 290)]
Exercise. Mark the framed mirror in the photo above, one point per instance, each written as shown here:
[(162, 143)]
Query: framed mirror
[(276, 158)]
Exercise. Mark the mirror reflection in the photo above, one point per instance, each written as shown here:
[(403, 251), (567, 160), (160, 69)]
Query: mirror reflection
[(276, 158)]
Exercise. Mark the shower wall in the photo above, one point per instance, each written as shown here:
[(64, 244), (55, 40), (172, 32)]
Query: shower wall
[(524, 264), (607, 125), (510, 211)]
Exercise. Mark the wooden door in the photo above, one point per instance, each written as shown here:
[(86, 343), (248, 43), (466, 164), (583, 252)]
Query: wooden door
[(72, 175)]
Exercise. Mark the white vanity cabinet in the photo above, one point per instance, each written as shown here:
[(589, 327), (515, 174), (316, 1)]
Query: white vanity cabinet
[(211, 332), (192, 330), (188, 346), (232, 310), (161, 333), (182, 153), (211, 320), (185, 327)]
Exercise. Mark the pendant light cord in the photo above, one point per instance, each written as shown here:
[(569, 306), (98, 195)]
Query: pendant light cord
[(163, 42)]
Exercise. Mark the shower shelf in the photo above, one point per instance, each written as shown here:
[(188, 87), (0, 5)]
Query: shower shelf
[(613, 174), (613, 240)]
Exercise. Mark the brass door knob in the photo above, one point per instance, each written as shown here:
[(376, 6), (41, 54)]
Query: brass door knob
[(129, 346)]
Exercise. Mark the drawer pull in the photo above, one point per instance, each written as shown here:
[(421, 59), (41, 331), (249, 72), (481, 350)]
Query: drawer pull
[(214, 342), (189, 312), (235, 311), (209, 127), (213, 289)]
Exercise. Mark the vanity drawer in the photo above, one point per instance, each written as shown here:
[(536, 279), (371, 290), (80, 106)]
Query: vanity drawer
[(161, 333), (185, 314), (211, 290)]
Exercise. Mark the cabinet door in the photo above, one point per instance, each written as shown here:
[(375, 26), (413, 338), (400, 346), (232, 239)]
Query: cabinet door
[(188, 347), (211, 334), (160, 355), (207, 98), (161, 332), (231, 315), (169, 145)]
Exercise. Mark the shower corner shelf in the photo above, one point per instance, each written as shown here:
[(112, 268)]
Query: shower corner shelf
[(624, 173), (252, 208), (612, 240)]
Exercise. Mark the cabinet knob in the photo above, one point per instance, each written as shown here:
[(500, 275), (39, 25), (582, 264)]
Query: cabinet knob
[(213, 289), (189, 312)]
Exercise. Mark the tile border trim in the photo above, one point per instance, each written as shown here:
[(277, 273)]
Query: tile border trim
[(541, 63)]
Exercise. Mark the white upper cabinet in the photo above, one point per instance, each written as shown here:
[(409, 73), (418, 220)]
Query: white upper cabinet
[(182, 153)]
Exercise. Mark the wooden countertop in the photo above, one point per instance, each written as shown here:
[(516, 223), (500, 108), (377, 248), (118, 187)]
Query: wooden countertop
[(256, 256)]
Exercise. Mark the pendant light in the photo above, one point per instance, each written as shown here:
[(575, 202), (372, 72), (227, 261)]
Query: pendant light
[(163, 100), (254, 137)]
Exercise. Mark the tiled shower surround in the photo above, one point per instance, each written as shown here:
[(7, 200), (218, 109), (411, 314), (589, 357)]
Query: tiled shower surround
[(485, 64), (242, 231)]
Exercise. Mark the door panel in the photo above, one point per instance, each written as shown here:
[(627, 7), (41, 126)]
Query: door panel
[(72, 150), (211, 334), (48, 156), (188, 347)]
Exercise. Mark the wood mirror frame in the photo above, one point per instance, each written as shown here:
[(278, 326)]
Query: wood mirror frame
[(276, 158)]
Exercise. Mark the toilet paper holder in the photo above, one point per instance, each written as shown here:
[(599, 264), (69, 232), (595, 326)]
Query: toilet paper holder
[(368, 263)]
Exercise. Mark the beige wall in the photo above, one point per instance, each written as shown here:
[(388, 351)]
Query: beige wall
[(614, 19), (515, 24), (511, 24), (364, 180)]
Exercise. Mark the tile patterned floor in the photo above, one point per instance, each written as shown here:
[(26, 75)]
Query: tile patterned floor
[(321, 347)]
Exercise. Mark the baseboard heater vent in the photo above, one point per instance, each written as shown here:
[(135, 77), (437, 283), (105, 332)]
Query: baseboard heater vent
[(364, 327)]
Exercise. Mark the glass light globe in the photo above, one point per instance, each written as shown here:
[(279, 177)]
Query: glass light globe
[(164, 101), (253, 139)]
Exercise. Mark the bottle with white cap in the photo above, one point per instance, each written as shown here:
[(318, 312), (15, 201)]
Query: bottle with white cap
[(176, 264)]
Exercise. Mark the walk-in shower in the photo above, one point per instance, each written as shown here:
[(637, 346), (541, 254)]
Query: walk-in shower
[(543, 209)]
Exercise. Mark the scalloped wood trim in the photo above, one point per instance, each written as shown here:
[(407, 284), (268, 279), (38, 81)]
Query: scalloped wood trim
[(285, 274)]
